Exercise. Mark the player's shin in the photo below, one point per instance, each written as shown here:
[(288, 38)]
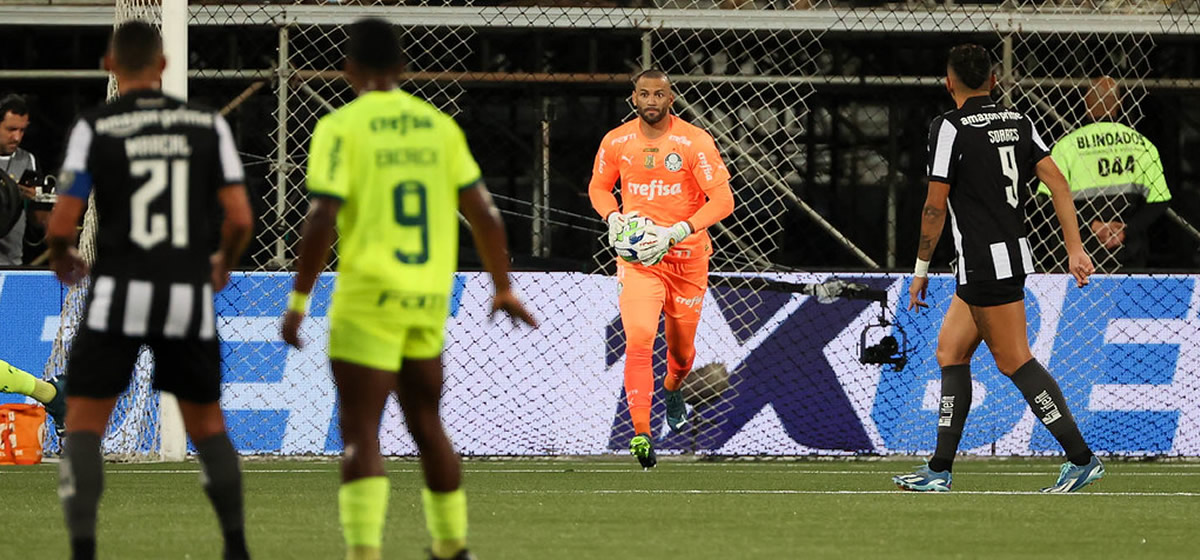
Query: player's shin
[(681, 339), (1047, 402), (80, 483), (952, 415), (362, 507), (639, 386), (446, 519), (222, 479), (675, 378), (679, 364), (678, 370)]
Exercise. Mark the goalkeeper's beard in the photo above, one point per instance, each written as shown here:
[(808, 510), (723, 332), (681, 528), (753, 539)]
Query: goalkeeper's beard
[(658, 117)]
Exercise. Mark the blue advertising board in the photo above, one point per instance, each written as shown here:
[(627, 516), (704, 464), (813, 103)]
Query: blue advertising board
[(1123, 349)]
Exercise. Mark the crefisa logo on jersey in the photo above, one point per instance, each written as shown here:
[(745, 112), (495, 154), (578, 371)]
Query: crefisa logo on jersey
[(673, 162), (654, 188), (706, 167)]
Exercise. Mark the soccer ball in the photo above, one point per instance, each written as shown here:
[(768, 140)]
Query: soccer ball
[(706, 384), (637, 234)]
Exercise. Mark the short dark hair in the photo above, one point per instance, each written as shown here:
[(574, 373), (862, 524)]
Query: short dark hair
[(14, 104), (373, 44), (135, 45), (653, 74), (971, 64)]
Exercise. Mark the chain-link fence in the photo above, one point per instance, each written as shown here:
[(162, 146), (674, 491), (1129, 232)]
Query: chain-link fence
[(805, 100)]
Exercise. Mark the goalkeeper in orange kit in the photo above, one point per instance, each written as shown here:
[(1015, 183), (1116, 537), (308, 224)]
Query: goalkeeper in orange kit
[(671, 173)]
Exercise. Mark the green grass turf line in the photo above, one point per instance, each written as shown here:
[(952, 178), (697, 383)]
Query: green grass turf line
[(582, 509)]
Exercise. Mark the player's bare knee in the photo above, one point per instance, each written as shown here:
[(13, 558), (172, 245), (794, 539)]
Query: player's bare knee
[(364, 450), (361, 435), (202, 421), (359, 462), (1008, 362), (950, 355), (206, 431), (1009, 365)]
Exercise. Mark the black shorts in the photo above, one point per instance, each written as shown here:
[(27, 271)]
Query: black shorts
[(990, 293), (101, 366)]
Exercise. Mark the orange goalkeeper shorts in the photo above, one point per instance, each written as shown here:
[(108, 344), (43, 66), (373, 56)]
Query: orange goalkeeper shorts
[(677, 284)]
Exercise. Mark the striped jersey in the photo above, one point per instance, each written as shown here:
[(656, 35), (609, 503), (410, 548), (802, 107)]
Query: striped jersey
[(988, 154), (155, 165)]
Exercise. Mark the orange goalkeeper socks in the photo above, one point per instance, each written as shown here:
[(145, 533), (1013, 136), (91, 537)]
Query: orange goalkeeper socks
[(641, 419), (639, 387)]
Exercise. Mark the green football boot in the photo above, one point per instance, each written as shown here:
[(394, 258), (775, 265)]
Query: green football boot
[(643, 448)]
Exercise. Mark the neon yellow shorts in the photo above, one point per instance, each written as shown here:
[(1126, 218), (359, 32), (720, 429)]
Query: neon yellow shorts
[(380, 344)]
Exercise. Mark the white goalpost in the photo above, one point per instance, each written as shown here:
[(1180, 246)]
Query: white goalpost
[(172, 436), (133, 430)]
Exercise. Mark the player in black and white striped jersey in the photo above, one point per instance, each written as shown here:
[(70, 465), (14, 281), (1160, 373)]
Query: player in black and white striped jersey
[(163, 173), (982, 159), (988, 152)]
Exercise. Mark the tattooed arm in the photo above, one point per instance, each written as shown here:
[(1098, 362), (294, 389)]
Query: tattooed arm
[(933, 219)]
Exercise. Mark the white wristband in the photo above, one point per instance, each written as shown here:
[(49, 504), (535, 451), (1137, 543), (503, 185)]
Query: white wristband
[(922, 269)]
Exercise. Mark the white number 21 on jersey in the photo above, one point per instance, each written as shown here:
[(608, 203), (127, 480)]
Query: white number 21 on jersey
[(1008, 164), (146, 229)]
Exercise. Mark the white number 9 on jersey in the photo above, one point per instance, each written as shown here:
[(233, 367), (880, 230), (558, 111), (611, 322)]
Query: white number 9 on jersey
[(1008, 164)]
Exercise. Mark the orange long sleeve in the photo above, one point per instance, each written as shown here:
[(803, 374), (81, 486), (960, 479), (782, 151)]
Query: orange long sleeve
[(604, 175), (719, 205), (603, 200)]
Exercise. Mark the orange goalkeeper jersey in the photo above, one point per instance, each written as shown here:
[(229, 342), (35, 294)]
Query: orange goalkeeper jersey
[(678, 176)]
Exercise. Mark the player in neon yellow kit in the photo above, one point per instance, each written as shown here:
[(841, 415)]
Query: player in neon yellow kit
[(394, 172)]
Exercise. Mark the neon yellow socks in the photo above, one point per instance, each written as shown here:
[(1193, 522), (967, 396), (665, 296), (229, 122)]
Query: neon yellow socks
[(446, 518), (43, 392), (362, 505), (364, 553), (16, 380)]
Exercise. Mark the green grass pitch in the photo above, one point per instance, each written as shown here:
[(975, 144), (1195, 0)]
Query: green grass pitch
[(609, 509)]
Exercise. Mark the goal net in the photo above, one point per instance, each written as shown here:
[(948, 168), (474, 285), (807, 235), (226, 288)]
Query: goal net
[(135, 431), (799, 105)]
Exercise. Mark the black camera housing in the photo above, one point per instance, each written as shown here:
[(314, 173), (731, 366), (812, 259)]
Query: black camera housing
[(35, 178), (889, 350)]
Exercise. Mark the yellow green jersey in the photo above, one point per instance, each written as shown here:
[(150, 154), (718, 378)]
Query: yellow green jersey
[(1108, 159), (397, 164)]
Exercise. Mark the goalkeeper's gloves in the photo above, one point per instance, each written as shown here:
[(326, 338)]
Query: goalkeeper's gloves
[(616, 223), (664, 239)]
